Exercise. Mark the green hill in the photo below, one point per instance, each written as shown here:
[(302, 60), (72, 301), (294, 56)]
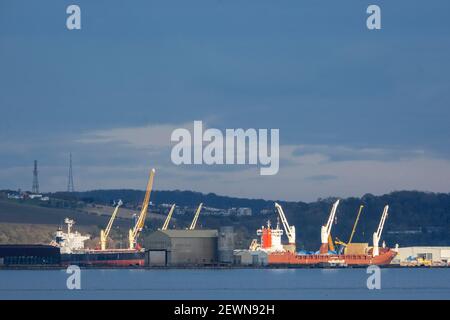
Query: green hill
[(415, 218)]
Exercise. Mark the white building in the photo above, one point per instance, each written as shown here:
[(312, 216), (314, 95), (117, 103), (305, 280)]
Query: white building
[(266, 212), (250, 258), (434, 254), (244, 212)]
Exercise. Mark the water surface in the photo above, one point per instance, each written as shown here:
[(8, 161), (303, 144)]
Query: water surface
[(226, 284)]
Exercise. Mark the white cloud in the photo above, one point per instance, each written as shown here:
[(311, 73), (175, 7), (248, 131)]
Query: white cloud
[(306, 173), (150, 136)]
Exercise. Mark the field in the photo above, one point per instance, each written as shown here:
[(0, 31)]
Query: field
[(28, 223)]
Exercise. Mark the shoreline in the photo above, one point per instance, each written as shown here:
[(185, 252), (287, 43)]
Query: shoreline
[(38, 268)]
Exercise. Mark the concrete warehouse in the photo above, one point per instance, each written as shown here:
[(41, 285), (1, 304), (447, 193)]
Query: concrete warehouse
[(182, 247)]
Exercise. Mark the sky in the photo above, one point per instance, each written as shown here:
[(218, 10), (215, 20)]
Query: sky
[(359, 111)]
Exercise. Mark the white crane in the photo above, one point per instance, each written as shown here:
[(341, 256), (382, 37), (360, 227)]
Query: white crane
[(105, 233), (377, 235), (194, 221), (290, 230), (326, 229), (134, 233), (169, 216)]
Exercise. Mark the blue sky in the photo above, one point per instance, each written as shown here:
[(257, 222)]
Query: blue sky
[(359, 111)]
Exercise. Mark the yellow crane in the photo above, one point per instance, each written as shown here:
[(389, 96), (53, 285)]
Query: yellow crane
[(105, 233), (353, 230), (169, 216), (134, 233), (194, 221), (254, 245), (330, 243)]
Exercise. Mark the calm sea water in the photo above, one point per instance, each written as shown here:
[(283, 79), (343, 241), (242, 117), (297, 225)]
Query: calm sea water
[(227, 284)]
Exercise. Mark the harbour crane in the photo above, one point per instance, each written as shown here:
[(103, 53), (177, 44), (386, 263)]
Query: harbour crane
[(105, 233), (197, 213), (356, 224), (289, 230), (134, 233), (254, 245), (377, 235), (169, 216), (343, 244), (325, 231), (331, 246)]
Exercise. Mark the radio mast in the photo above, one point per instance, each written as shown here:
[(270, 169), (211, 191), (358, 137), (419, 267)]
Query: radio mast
[(70, 187), (35, 187)]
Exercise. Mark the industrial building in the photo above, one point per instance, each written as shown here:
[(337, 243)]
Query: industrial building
[(226, 245), (182, 247), (250, 258), (435, 255), (190, 247)]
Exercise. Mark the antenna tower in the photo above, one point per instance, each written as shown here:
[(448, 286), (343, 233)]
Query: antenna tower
[(70, 187), (35, 187)]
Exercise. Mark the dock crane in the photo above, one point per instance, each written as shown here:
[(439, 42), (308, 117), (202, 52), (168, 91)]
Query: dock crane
[(377, 235), (254, 245), (289, 230), (331, 246), (325, 231), (169, 216), (105, 233), (134, 233), (197, 213), (343, 244)]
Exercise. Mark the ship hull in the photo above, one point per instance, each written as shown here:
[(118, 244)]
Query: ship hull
[(108, 258), (287, 258)]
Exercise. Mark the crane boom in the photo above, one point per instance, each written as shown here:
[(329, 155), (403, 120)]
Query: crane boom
[(331, 217), (377, 234), (169, 216), (197, 213), (356, 223), (383, 219), (134, 233), (105, 233), (326, 229), (290, 230), (331, 243)]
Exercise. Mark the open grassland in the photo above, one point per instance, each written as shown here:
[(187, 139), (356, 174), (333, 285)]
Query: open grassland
[(124, 213), (16, 212), (21, 233), (24, 223)]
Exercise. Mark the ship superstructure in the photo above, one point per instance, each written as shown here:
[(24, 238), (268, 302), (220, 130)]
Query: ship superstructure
[(69, 242)]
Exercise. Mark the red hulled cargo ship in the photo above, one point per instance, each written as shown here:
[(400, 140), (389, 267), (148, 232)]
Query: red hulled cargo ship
[(278, 254), (105, 258), (288, 258), (73, 252)]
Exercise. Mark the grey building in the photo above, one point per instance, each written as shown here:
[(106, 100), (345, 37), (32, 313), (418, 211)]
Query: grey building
[(226, 245), (250, 258), (182, 247), (434, 254)]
